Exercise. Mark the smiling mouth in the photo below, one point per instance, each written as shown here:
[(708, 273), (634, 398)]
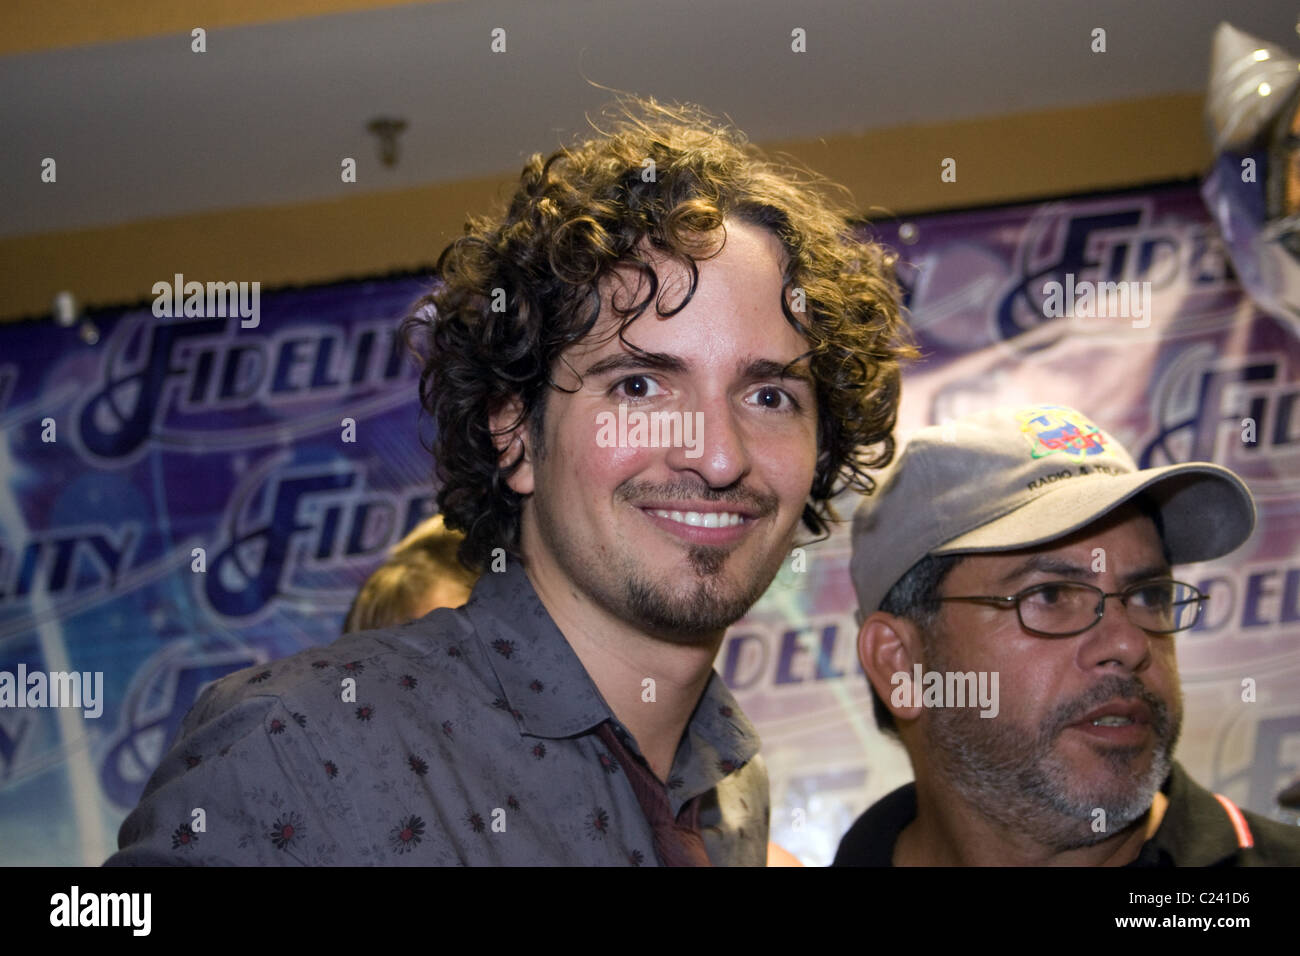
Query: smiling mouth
[(701, 519)]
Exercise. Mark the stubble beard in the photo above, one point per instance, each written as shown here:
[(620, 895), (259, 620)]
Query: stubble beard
[(1015, 775), (692, 615), (709, 606)]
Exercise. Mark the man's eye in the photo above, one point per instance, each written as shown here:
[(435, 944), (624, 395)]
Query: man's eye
[(1153, 595), (769, 396), (636, 387), (1048, 596)]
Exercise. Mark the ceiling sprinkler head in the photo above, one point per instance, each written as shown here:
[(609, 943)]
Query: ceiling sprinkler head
[(387, 128)]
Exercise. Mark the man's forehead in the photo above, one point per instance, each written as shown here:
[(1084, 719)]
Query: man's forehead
[(604, 342), (678, 335), (627, 285)]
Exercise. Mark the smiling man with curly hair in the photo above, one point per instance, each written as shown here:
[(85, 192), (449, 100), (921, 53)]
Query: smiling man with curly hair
[(663, 271)]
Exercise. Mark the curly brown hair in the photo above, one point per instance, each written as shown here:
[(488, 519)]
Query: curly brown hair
[(517, 290)]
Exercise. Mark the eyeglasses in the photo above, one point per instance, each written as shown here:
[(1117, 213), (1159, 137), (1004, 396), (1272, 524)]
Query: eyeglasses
[(1066, 608)]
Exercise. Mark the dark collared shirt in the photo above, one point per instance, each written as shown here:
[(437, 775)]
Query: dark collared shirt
[(470, 738), (1197, 830)]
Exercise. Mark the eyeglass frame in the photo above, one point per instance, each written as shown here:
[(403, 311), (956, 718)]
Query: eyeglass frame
[(1013, 600)]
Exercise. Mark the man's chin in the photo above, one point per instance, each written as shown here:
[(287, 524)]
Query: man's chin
[(1110, 767), (1122, 785), (689, 612)]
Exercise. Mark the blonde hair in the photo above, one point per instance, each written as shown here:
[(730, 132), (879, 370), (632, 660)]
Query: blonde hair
[(421, 563)]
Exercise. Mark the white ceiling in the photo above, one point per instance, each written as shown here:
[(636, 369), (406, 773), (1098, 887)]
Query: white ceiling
[(147, 128)]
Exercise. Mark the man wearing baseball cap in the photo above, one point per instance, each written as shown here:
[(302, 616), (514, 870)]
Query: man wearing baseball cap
[(1019, 624)]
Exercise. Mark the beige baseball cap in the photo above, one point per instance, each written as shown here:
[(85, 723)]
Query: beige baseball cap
[(1018, 477)]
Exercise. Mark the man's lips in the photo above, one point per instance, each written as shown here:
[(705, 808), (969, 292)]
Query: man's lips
[(1119, 711), (1120, 722), (700, 514), (700, 522)]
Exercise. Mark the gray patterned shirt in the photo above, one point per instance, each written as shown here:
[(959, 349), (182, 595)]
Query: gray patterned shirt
[(470, 739)]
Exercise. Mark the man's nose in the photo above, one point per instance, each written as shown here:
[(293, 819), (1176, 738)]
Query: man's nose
[(714, 443), (1115, 640)]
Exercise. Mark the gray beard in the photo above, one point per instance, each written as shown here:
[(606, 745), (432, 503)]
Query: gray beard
[(1013, 776)]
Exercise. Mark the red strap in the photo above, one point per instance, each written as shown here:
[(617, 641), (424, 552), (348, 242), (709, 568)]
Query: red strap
[(1244, 838)]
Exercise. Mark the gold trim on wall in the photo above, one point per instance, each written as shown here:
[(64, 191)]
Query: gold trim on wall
[(34, 25), (999, 159)]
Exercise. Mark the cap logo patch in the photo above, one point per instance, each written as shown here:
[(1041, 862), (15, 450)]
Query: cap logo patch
[(1056, 429)]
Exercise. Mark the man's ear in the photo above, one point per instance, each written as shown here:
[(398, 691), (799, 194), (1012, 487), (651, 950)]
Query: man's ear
[(888, 647), (510, 432)]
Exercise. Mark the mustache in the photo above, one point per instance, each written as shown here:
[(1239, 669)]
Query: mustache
[(761, 504), (1107, 689)]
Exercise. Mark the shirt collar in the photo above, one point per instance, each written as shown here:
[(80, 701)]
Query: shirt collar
[(1195, 830), (719, 740), (526, 650), (544, 684)]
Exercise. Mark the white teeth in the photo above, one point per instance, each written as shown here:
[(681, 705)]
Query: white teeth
[(1112, 721), (701, 519)]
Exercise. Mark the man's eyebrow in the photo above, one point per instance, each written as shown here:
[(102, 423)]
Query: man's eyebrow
[(1055, 565), (1148, 573), (636, 362), (767, 368), (663, 362), (1044, 562)]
